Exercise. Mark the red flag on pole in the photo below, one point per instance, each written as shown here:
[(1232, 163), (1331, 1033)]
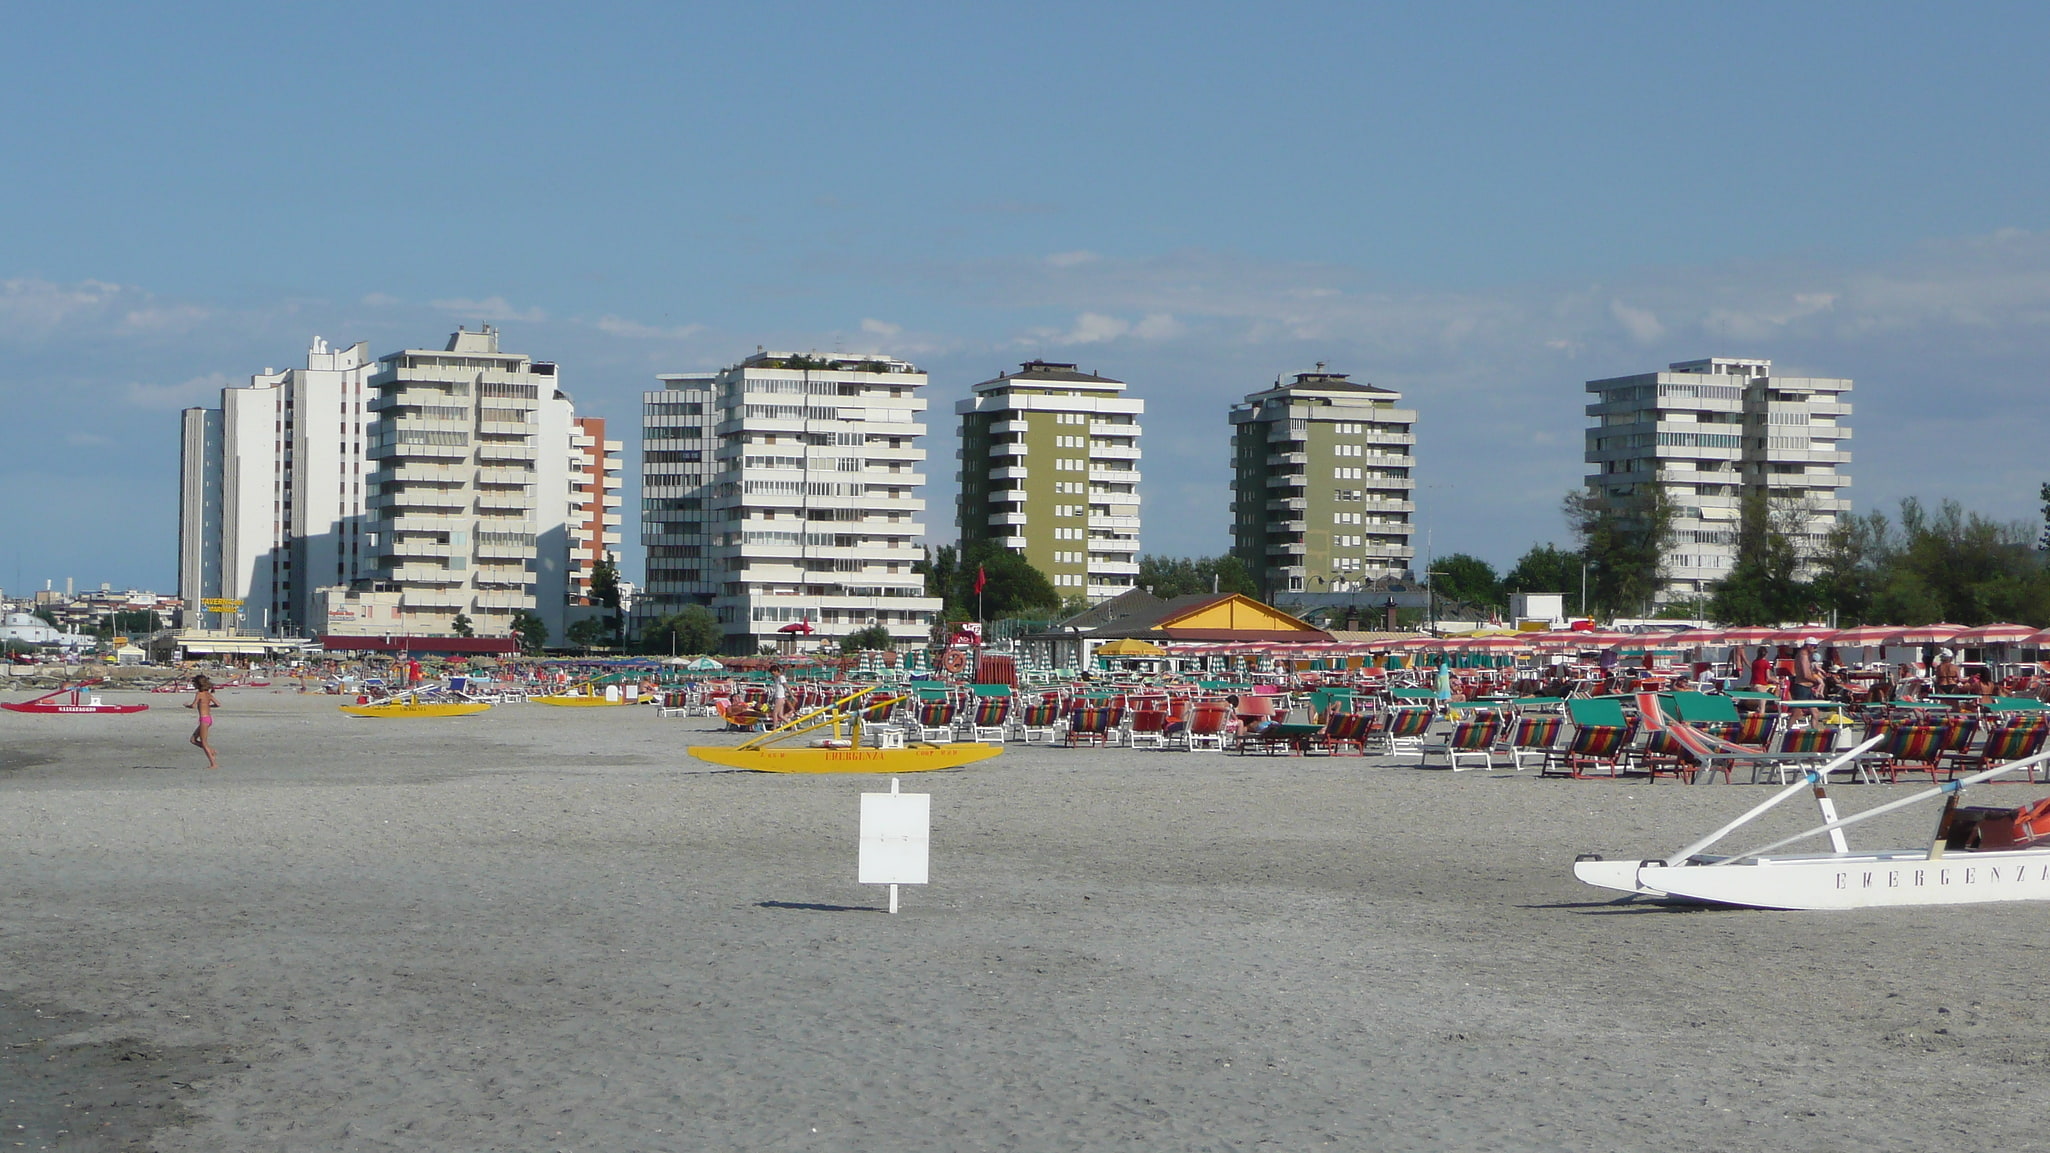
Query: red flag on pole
[(981, 580)]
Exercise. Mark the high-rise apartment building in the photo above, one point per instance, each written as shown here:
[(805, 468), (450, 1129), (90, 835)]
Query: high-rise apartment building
[(677, 470), (1322, 492), (789, 491), (272, 493), (1050, 470), (471, 488), (453, 480), (594, 498), (1713, 432)]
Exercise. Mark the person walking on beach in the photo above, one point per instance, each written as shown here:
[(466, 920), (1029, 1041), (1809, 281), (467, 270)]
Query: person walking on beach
[(202, 733), (779, 697)]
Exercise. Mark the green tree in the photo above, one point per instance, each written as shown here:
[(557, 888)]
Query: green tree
[(1547, 568), (591, 633), (462, 626), (1624, 540), (1765, 586), (1168, 577), (941, 568), (605, 583), (1464, 577), (874, 638), (694, 630), (531, 630), (1014, 587)]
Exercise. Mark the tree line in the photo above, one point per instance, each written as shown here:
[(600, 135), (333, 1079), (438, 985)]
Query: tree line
[(1916, 566)]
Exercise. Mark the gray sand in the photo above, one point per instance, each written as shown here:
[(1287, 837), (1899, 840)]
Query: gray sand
[(550, 929)]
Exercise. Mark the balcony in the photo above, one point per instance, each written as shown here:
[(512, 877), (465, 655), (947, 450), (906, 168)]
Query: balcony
[(490, 452), (1114, 475), (1287, 480), (997, 450), (1290, 504), (1003, 518), (1129, 523), (1008, 472), (501, 503), (1101, 451), (505, 477), (505, 600), (1101, 428), (424, 574), (1112, 567), (1276, 459)]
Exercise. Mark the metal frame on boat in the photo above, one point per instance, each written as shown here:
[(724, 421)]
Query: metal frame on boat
[(1956, 868), (842, 752)]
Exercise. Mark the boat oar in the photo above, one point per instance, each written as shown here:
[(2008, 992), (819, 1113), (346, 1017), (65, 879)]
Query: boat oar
[(1890, 806), (1775, 799)]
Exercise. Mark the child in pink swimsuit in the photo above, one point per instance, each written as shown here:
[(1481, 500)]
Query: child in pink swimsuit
[(202, 734)]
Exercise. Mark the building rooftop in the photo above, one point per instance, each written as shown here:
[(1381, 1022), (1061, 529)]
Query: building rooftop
[(1050, 371)]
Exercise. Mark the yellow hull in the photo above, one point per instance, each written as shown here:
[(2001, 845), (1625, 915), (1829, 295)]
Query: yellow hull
[(916, 759), (450, 710), (575, 702)]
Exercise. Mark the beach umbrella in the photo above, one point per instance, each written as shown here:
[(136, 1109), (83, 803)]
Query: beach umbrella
[(2039, 640), (1935, 634), (1748, 635), (1131, 647), (1817, 634), (1498, 643), (1864, 636), (1996, 634)]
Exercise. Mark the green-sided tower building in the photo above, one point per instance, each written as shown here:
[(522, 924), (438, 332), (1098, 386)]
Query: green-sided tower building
[(1322, 495), (1050, 469)]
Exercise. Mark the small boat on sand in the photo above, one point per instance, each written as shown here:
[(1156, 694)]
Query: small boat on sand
[(1977, 855), (410, 705), (842, 752), (76, 700)]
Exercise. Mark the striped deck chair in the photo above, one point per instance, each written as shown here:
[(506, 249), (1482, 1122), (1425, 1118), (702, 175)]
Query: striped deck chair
[(1149, 727), (1755, 728), (1091, 724), (992, 714), (936, 719), (1532, 736), (1404, 731), (1355, 729), (2013, 741), (1474, 738), (1910, 748), (1039, 719), (1592, 747)]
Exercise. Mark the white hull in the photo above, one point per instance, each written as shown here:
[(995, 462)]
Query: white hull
[(1838, 880)]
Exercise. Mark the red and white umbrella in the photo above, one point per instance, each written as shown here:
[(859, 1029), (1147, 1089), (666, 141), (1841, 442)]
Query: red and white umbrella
[(796, 627), (1935, 634), (1995, 634), (1748, 635), (1864, 636)]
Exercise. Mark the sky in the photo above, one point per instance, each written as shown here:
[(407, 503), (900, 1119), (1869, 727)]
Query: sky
[(1480, 205)]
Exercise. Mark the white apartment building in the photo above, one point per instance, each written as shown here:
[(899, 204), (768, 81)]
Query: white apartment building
[(1050, 470), (1712, 431), (272, 492), (472, 452), (793, 494)]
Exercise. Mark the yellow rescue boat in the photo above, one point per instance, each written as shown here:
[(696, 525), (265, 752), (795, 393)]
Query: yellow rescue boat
[(839, 753)]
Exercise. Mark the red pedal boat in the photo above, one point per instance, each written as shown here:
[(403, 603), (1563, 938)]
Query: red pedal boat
[(80, 702)]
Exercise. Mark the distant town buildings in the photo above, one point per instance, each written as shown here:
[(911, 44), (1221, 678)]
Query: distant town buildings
[(1712, 432), (785, 493), (1322, 492), (272, 496), (1050, 470), (395, 495)]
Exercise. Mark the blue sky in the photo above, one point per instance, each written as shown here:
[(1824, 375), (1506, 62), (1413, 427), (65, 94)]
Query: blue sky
[(1481, 205)]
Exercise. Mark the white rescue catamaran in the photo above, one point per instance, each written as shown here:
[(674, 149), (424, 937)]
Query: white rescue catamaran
[(1978, 855)]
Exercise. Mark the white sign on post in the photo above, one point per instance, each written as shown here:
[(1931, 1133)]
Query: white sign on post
[(896, 839)]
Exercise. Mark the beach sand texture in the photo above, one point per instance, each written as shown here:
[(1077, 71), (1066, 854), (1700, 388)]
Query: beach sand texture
[(549, 929)]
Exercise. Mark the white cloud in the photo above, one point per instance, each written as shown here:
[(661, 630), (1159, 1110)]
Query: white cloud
[(380, 300), (1072, 259), (492, 308), (33, 307), (634, 330), (200, 390), (165, 318), (882, 328), (1157, 326), (1641, 323)]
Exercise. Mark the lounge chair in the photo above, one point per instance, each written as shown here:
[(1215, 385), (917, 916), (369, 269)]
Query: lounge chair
[(1532, 736), (1205, 729), (935, 719), (1470, 738), (1040, 719), (992, 714), (2012, 740), (1404, 731)]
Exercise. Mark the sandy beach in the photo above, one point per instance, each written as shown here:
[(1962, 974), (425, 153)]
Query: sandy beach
[(543, 929)]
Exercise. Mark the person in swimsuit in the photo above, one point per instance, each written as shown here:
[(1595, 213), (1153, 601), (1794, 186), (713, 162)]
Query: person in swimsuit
[(202, 734)]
